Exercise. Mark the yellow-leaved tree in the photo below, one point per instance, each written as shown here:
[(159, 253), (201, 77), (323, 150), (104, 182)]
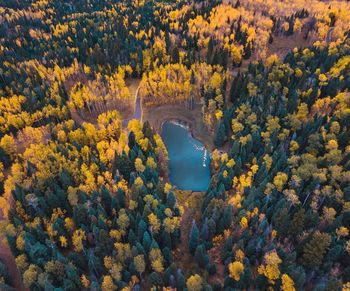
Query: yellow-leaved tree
[(270, 267), (287, 283), (194, 283), (236, 269)]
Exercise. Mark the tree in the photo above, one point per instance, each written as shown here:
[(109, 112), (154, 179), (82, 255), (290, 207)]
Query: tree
[(123, 165), (297, 223), (8, 143), (107, 284), (279, 180), (139, 165), (140, 265), (235, 270), (156, 259), (287, 283), (227, 217), (281, 221), (180, 280), (78, 238), (170, 200), (194, 283), (201, 257), (220, 136), (194, 237), (85, 281), (315, 249), (270, 268)]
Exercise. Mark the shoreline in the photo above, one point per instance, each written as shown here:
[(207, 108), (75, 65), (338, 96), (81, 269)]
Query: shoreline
[(188, 126), (157, 116), (207, 154)]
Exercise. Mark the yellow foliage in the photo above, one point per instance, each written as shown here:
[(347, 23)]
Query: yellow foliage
[(287, 283), (20, 242), (219, 114), (84, 281), (139, 165), (21, 262), (239, 256), (151, 163), (272, 59), (279, 180), (157, 266), (244, 222), (77, 239), (342, 231), (270, 267), (30, 276), (154, 222), (235, 270), (138, 182), (63, 241), (293, 146), (230, 163), (107, 284), (194, 283), (167, 188)]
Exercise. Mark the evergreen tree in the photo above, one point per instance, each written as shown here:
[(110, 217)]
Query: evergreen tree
[(194, 237), (220, 136), (315, 249)]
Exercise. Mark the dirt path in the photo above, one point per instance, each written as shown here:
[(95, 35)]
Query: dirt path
[(9, 261), (137, 109)]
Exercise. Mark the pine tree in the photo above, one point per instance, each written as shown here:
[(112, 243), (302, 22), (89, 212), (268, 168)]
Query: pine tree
[(292, 100), (297, 223), (194, 237), (227, 217), (201, 256), (220, 136), (180, 280), (123, 165), (171, 200), (315, 249)]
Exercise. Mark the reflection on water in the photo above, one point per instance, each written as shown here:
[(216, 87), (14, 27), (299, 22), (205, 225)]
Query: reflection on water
[(188, 158)]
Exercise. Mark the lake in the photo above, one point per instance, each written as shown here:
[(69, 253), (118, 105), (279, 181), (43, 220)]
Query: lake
[(189, 161)]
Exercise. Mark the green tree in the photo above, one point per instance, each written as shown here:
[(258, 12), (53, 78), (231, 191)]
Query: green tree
[(315, 249), (220, 136), (194, 238)]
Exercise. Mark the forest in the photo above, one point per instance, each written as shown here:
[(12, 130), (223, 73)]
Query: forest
[(86, 199)]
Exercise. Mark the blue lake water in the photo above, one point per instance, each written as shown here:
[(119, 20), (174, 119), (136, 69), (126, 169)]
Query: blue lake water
[(189, 161)]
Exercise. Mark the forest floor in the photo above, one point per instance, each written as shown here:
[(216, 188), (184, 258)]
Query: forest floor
[(137, 110), (132, 84), (156, 116), (215, 254), (282, 45)]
